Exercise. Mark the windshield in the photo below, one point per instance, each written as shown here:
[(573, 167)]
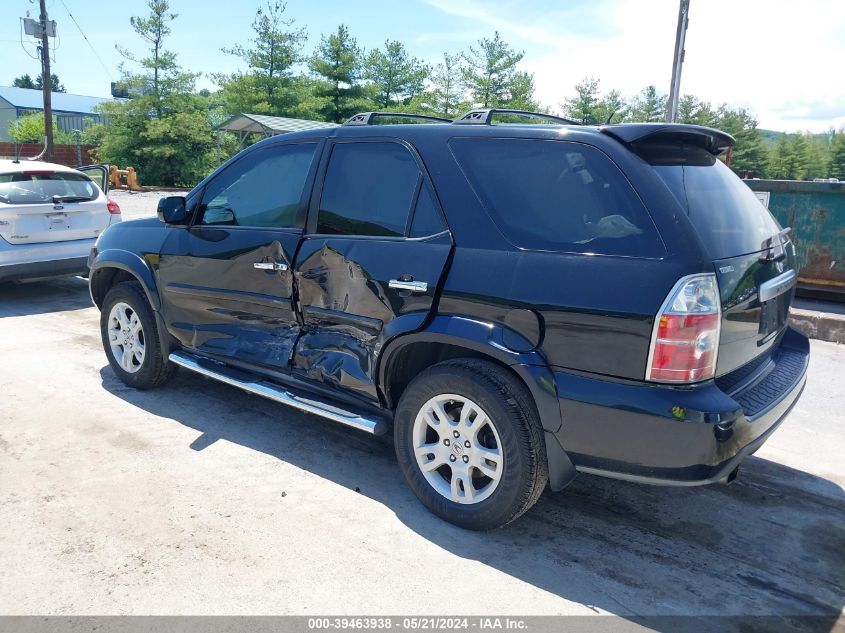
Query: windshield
[(41, 187), (728, 216)]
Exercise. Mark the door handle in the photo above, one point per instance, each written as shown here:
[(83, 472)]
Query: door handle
[(412, 286), (270, 266)]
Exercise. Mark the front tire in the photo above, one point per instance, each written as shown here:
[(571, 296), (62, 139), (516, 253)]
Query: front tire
[(470, 444), (130, 338)]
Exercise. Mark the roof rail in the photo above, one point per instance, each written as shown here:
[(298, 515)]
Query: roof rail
[(484, 116), (366, 118)]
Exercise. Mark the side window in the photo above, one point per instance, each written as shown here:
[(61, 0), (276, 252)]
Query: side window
[(558, 196), (427, 220), (368, 190), (263, 189)]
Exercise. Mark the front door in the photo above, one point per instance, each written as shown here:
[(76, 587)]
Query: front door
[(371, 263), (97, 173), (226, 280)]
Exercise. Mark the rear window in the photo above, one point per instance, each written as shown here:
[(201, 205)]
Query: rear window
[(727, 215), (35, 188), (557, 196)]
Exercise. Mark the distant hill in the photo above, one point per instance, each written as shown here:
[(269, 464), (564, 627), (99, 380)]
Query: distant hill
[(771, 137)]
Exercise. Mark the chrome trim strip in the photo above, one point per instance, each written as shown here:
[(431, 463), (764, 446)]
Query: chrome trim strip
[(413, 286), (777, 286), (279, 394)]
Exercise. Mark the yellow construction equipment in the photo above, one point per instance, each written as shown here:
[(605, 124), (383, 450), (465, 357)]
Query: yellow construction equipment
[(124, 178)]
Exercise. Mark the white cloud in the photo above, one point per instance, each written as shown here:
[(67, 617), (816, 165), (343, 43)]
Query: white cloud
[(778, 58)]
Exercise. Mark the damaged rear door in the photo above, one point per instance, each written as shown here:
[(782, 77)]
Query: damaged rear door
[(369, 267)]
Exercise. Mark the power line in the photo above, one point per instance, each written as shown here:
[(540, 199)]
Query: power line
[(85, 37)]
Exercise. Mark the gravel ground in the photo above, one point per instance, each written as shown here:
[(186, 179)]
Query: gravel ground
[(140, 204), (197, 498)]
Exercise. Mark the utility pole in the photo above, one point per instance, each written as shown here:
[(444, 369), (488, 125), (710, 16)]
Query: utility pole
[(677, 62), (46, 88)]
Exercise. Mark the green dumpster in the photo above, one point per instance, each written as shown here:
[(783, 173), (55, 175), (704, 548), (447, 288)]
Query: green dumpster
[(816, 213)]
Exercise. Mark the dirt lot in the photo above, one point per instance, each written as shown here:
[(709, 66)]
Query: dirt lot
[(197, 498), (140, 204)]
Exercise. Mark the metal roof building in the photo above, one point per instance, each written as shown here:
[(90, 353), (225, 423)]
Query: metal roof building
[(72, 112), (245, 124)]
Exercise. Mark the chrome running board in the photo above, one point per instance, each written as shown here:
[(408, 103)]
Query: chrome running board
[(297, 400)]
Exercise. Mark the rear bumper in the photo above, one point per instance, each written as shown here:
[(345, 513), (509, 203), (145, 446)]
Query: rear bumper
[(20, 262), (677, 436), (45, 270)]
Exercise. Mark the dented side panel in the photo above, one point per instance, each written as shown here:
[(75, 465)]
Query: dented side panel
[(348, 308), (216, 301)]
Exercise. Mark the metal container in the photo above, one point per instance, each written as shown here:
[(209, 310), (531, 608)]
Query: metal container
[(816, 213)]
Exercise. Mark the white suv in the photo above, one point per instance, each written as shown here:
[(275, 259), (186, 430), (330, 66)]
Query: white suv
[(50, 217)]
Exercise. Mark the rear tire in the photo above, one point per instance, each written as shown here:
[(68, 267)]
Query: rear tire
[(482, 466), (130, 338)]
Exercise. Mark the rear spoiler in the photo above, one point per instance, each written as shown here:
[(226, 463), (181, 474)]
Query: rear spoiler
[(677, 134)]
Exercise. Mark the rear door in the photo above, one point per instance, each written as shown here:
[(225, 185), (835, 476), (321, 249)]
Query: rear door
[(753, 258), (44, 205), (371, 263)]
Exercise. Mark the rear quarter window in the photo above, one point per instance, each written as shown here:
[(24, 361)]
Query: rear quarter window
[(557, 196)]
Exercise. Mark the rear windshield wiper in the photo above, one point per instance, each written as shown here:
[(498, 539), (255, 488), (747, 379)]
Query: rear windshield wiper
[(60, 199)]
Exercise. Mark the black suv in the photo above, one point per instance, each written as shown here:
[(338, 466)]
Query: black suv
[(517, 303)]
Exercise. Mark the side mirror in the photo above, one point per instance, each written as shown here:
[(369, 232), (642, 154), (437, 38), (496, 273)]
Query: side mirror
[(173, 210)]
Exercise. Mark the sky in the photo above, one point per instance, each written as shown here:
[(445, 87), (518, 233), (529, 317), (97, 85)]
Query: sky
[(781, 59)]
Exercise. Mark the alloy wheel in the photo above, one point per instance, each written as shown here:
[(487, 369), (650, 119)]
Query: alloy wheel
[(126, 337), (457, 448)]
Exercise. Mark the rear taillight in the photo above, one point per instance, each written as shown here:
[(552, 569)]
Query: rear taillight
[(685, 339), (113, 207)]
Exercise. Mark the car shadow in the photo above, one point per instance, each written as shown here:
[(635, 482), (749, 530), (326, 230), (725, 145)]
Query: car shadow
[(771, 545), (43, 297)]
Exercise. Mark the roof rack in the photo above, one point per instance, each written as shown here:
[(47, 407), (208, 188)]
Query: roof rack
[(366, 118), (484, 116)]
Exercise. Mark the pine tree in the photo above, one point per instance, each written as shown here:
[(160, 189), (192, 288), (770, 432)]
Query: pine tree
[(24, 81), (693, 110), (268, 86), (165, 131), (749, 154), (800, 147), (817, 158), (521, 93), (584, 106), (395, 75), (488, 71), (780, 160), (612, 108), (160, 75), (837, 156), (55, 84), (648, 106), (337, 66), (447, 95)]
